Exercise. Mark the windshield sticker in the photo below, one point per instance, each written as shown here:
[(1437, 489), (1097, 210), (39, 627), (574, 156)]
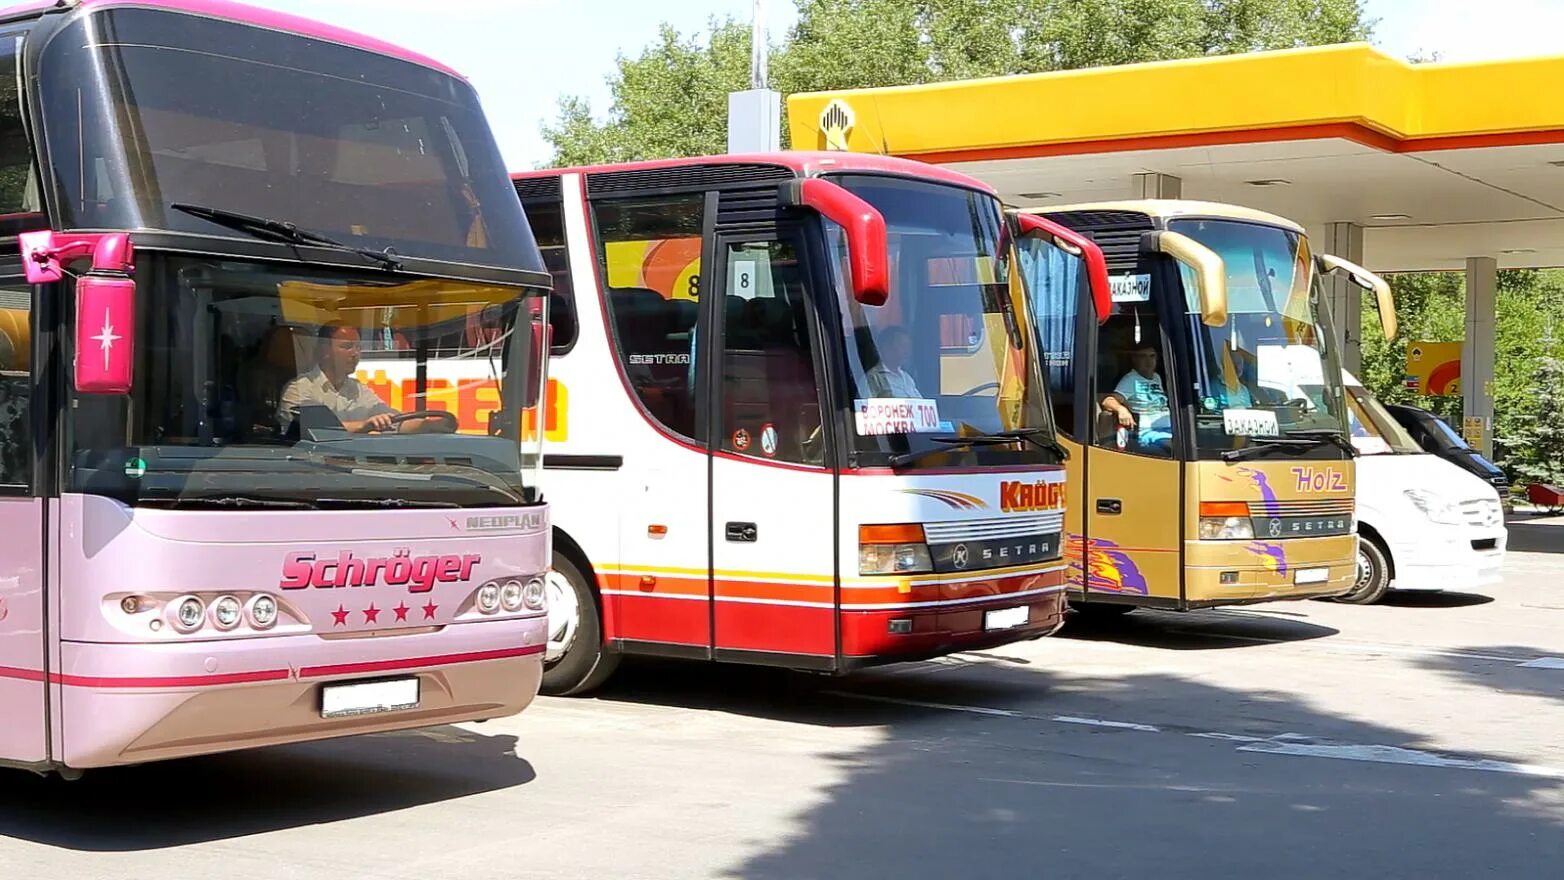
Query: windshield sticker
[(896, 415), (741, 440), (1130, 288), (768, 439), (1250, 423)]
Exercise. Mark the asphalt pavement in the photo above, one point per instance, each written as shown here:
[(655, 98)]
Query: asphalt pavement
[(1419, 738)]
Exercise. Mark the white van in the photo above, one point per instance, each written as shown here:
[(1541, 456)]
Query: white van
[(1423, 523)]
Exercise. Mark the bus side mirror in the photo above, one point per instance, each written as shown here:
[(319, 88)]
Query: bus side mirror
[(1210, 272), (1368, 281), (868, 250), (1076, 245), (105, 334), (532, 378)]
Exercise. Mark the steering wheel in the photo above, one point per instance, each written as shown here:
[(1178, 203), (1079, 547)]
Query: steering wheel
[(448, 417), (984, 387)]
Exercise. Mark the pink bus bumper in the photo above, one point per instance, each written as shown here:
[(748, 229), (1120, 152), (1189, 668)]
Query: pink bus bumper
[(131, 703)]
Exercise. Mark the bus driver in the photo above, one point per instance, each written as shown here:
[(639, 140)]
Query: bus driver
[(331, 384)]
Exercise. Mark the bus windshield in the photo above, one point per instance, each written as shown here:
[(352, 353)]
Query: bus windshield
[(1272, 369), (147, 108), (266, 385), (952, 352)]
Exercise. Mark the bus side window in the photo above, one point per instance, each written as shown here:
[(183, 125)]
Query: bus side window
[(649, 250), (16, 459), (548, 227), (1131, 384)]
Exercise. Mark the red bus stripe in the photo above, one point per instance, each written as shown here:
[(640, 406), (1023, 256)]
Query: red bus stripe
[(94, 681)]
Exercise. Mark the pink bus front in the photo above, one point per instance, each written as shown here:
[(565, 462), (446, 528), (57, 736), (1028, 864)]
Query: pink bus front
[(219, 532)]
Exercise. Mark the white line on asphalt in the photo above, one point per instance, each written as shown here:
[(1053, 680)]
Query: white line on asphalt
[(1545, 663), (1293, 744), (1397, 755)]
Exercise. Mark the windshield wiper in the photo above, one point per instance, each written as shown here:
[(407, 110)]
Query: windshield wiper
[(241, 501), (998, 438), (386, 502), (1261, 445), (1032, 436), (1329, 435), (281, 230)]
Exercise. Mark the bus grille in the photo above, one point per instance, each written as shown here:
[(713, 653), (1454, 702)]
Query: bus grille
[(993, 529), (1327, 507)]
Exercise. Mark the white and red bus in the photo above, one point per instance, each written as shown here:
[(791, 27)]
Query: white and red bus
[(795, 416), (190, 192)]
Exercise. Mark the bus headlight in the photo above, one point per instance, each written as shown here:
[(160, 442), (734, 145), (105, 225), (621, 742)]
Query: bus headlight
[(263, 612), (893, 549), (226, 611), (1434, 507), (1225, 528), (534, 595), (489, 598), (511, 595), (1225, 521), (188, 613)]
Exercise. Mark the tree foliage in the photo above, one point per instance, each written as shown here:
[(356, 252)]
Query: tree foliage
[(670, 99)]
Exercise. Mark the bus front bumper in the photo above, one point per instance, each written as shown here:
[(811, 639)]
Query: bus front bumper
[(1240, 572), (132, 703)]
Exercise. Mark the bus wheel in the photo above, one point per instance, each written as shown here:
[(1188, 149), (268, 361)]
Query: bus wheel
[(574, 661), (1373, 574)]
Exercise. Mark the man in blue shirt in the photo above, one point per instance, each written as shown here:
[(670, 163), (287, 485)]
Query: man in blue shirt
[(1141, 403)]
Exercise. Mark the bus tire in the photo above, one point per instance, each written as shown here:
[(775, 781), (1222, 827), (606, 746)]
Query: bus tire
[(1373, 574), (575, 661)]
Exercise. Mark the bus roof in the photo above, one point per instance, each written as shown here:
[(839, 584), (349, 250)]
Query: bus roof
[(239, 12), (804, 163), (1169, 209)]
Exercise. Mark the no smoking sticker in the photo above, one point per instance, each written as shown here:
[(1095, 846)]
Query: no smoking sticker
[(741, 440), (768, 439)]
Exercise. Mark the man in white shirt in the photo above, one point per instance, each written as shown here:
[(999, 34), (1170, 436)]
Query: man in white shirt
[(1140, 401), (888, 378), (331, 384)]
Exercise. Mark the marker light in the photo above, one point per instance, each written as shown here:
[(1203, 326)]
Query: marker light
[(263, 612), (188, 613), (510, 595), (489, 598), (226, 611), (534, 595)]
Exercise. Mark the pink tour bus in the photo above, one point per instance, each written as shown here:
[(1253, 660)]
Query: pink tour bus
[(218, 534)]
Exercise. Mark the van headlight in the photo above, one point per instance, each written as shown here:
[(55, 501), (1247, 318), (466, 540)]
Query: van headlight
[(1436, 508)]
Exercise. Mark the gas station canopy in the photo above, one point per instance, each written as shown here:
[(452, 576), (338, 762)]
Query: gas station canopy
[(1434, 163)]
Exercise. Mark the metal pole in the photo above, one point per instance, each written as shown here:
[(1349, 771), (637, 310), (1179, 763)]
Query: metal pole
[(757, 46)]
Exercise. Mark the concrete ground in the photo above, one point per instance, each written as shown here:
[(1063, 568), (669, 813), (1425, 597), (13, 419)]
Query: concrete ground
[(1419, 738)]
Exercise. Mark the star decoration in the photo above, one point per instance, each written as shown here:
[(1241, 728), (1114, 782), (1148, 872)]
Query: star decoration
[(429, 610), (340, 616), (106, 339), (401, 610), (371, 614)]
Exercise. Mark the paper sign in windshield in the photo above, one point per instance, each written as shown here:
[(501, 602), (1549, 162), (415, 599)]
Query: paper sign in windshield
[(1130, 288), (896, 415), (1250, 422)]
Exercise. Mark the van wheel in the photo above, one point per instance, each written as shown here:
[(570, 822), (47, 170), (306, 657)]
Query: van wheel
[(1373, 574), (574, 661)]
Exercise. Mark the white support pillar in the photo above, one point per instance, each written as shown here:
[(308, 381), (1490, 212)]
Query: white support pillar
[(1345, 240), (1153, 185), (1477, 348)]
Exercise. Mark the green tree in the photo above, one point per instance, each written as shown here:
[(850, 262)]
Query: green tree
[(671, 98), (1536, 439)]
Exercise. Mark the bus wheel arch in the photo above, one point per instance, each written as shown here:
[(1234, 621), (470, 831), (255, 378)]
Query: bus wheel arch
[(577, 659), (1374, 572)]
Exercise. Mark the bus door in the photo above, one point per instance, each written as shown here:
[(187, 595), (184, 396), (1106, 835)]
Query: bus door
[(1132, 498), (23, 634), (773, 511)]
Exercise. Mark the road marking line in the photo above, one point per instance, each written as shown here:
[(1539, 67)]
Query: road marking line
[(1545, 663), (1293, 744), (1398, 755)]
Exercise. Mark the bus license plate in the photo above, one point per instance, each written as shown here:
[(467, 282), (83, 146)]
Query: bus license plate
[(1311, 576), (1006, 618), (368, 697)]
